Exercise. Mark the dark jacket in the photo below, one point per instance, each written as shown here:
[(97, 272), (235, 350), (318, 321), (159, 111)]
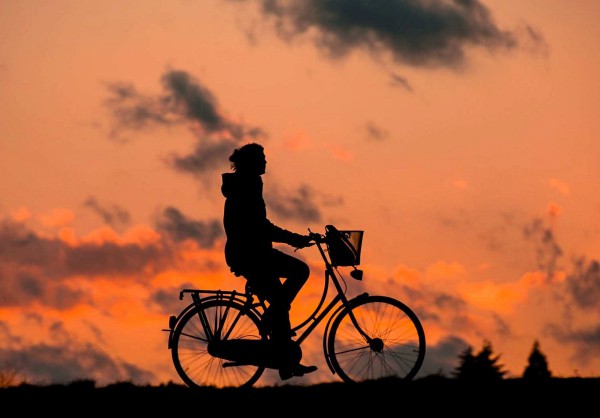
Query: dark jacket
[(250, 235)]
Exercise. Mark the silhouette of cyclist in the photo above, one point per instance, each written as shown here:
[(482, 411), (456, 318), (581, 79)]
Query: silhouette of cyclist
[(249, 251)]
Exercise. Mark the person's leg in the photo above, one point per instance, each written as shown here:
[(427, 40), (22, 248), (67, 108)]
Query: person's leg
[(266, 284), (276, 317), (296, 273), (264, 278)]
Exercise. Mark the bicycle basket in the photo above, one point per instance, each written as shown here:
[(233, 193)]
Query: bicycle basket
[(343, 246)]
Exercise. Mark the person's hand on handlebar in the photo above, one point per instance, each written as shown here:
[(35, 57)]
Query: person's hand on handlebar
[(316, 237), (301, 241)]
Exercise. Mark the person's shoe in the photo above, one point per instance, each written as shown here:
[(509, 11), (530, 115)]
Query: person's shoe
[(298, 370)]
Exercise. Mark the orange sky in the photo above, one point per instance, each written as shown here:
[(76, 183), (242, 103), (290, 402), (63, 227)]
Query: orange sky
[(462, 139)]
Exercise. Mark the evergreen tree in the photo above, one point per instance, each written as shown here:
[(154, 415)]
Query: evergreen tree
[(537, 367), (481, 367), (465, 366)]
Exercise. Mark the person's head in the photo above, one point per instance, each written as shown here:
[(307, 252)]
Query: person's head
[(249, 159)]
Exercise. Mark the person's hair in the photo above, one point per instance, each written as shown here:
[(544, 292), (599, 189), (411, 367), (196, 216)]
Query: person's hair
[(246, 157)]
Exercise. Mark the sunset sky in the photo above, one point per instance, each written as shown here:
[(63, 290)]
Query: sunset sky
[(461, 135)]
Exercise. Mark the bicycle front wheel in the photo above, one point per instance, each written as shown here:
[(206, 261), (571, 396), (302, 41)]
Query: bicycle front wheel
[(376, 337), (189, 350)]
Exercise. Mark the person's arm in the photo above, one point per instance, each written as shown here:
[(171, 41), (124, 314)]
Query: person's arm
[(279, 234)]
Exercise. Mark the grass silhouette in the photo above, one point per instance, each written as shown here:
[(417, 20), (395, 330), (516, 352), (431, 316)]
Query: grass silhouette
[(433, 394)]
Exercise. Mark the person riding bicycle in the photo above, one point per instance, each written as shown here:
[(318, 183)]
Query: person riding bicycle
[(249, 250)]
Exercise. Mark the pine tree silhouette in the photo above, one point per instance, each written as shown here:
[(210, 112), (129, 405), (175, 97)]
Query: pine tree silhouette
[(466, 364), (481, 367), (537, 368)]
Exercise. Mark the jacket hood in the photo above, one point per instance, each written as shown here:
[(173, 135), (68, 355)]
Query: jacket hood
[(234, 184), (229, 184)]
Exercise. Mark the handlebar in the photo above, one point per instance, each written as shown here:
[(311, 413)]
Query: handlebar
[(316, 237)]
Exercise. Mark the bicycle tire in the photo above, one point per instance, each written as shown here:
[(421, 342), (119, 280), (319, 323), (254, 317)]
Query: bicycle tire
[(397, 347), (189, 350)]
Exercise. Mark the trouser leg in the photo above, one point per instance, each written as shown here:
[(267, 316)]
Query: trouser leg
[(295, 272), (281, 335)]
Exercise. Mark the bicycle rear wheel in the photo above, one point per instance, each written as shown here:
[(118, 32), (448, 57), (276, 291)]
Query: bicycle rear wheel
[(189, 350), (394, 345)]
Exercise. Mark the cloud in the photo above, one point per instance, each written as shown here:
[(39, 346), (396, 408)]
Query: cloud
[(184, 100), (585, 341), (179, 228), (398, 80), (116, 259), (205, 157), (443, 358), (187, 97), (34, 268), (375, 133), (421, 33), (19, 285), (547, 249), (112, 215), (299, 205), (62, 364), (131, 110), (584, 284)]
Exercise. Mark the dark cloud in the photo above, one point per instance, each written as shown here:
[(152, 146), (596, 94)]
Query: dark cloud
[(547, 250), (443, 358), (45, 364), (19, 245), (184, 100), (187, 97), (299, 205), (131, 110), (112, 215), (586, 342), (398, 80), (115, 259), (205, 157), (168, 299), (17, 285), (33, 267), (8, 337), (179, 228), (427, 33), (375, 133), (584, 284)]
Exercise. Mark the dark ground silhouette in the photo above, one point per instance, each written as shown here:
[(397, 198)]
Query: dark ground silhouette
[(424, 396)]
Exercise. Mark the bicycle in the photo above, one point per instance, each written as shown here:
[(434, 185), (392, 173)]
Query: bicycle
[(219, 340)]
